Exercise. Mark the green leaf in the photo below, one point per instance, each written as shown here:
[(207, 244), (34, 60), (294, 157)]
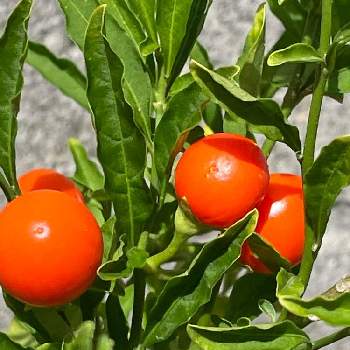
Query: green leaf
[(332, 307), (339, 81), (87, 172), (196, 18), (264, 115), (280, 336), (77, 13), (268, 309), (83, 338), (7, 344), (60, 72), (121, 13), (108, 231), (290, 13), (13, 51), (136, 82), (22, 333), (246, 293), (183, 295), (182, 115), (103, 342), (252, 59), (296, 53), (200, 55), (145, 10), (116, 133), (324, 181), (267, 254)]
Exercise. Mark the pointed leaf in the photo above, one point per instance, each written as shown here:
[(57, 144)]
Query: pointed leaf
[(200, 55), (324, 181), (183, 295), (87, 172), (77, 13), (60, 72), (13, 51), (280, 336), (264, 115), (116, 133), (296, 53)]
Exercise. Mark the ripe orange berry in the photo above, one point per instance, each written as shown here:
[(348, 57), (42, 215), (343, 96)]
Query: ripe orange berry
[(50, 248), (48, 179), (281, 221), (222, 177)]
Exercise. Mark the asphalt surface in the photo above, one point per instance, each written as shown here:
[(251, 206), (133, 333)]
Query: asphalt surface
[(47, 119)]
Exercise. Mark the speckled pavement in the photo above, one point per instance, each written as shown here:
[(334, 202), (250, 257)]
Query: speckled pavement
[(47, 119)]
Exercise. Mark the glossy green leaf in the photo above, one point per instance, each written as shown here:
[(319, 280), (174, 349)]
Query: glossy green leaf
[(136, 82), (252, 59), (196, 18), (246, 293), (87, 172), (332, 307), (7, 344), (267, 254), (144, 11), (60, 72), (181, 83), (13, 51), (268, 309), (183, 114), (296, 53), (324, 181), (339, 81), (103, 342), (116, 133), (22, 334), (82, 339), (183, 295), (280, 336), (121, 13), (77, 14), (109, 236), (290, 13), (264, 115)]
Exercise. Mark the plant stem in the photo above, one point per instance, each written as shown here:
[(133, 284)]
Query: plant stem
[(310, 252), (155, 261), (160, 97), (316, 103), (332, 338), (138, 306), (8, 191)]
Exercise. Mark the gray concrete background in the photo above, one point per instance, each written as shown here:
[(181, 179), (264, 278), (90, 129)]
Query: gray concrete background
[(48, 118)]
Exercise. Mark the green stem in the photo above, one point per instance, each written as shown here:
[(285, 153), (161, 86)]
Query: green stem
[(8, 191), (310, 252), (317, 98), (138, 306), (155, 261), (160, 97), (332, 338)]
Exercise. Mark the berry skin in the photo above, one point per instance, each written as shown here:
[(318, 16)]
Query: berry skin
[(50, 248), (222, 177), (48, 179), (281, 221)]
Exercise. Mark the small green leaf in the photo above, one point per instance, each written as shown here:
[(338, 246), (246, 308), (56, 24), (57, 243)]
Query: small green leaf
[(87, 172), (268, 309), (116, 133), (324, 181), (280, 336), (246, 293), (13, 51), (296, 53), (22, 334), (339, 81), (252, 59), (263, 115), (60, 72), (182, 115), (200, 55), (108, 231), (77, 13), (183, 295)]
